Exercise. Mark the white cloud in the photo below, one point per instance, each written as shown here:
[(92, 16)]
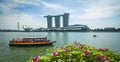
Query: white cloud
[(5, 8), (49, 5), (31, 21), (54, 6), (8, 7), (91, 9), (30, 2), (10, 16), (10, 21), (101, 9)]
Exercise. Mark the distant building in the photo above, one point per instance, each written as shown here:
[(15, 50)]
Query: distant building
[(57, 20), (78, 27), (40, 29), (18, 26), (27, 28), (109, 29)]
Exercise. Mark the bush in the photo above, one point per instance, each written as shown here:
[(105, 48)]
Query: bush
[(77, 52)]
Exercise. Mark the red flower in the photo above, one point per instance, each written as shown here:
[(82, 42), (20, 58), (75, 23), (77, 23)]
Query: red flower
[(86, 52), (55, 53), (35, 58)]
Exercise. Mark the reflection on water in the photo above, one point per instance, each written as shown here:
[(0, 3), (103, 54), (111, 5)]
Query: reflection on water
[(21, 54)]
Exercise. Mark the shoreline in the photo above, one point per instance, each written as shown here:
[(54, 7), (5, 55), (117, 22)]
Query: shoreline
[(59, 31)]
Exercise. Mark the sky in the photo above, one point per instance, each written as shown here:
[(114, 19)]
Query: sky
[(94, 13)]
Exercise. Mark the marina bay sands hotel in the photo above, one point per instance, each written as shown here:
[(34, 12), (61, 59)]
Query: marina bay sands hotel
[(64, 16)]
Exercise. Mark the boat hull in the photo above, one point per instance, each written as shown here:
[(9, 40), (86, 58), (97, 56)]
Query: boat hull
[(30, 44)]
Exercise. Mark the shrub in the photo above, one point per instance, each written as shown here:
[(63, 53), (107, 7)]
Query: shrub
[(77, 52)]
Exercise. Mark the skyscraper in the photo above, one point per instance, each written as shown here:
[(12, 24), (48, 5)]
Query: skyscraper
[(57, 21), (65, 19), (49, 21), (18, 26)]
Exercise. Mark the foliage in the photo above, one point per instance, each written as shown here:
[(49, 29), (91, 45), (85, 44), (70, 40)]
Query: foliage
[(77, 52)]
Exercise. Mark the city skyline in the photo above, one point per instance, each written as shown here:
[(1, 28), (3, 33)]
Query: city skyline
[(94, 13)]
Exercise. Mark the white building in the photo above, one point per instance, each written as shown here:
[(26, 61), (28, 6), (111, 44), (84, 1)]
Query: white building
[(77, 27)]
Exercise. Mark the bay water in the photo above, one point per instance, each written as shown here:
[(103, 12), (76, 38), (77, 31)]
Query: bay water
[(109, 40)]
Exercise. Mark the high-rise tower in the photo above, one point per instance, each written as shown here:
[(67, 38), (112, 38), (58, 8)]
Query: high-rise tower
[(18, 26), (65, 19), (57, 21), (49, 21)]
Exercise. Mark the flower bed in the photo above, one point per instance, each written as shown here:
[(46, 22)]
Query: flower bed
[(77, 52)]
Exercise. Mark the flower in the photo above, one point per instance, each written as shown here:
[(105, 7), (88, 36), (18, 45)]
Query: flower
[(105, 58), (100, 57), (70, 53), (100, 49), (35, 58), (86, 52), (64, 49), (76, 43), (55, 53)]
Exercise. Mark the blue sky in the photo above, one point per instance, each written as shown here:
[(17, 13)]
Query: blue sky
[(94, 13)]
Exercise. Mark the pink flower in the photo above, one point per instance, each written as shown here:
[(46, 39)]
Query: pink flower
[(86, 52), (100, 58), (106, 58), (76, 43), (100, 49), (35, 58), (67, 50), (64, 49), (55, 53)]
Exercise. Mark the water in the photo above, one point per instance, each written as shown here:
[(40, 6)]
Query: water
[(21, 54)]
